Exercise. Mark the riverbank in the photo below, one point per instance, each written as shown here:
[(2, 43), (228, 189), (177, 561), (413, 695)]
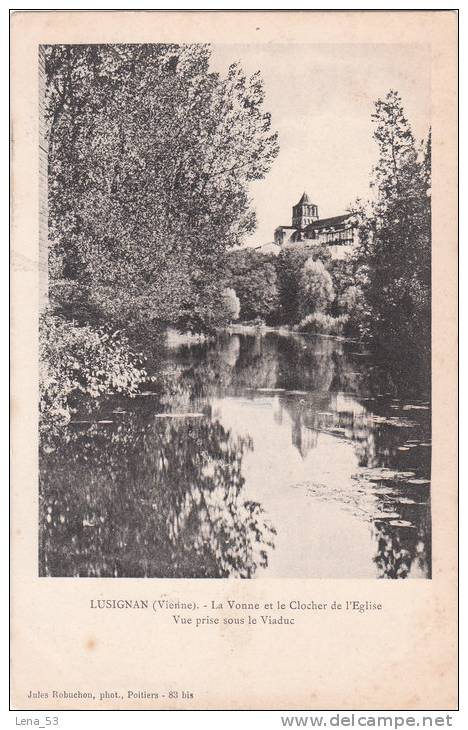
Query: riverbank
[(285, 330), (176, 338)]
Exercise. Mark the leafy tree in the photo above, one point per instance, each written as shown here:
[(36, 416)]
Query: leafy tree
[(253, 276), (315, 288), (354, 304), (319, 323), (230, 303), (395, 233), (150, 158), (78, 363), (290, 261)]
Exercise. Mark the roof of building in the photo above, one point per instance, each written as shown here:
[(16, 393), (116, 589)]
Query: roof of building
[(337, 220), (304, 200), (268, 248)]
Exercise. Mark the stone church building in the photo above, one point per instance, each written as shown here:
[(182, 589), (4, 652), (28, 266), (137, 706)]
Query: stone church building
[(338, 232)]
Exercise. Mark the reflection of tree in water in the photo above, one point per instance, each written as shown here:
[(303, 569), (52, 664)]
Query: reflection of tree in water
[(402, 548), (402, 544), (257, 365), (265, 361), (250, 362), (376, 444), (306, 364), (318, 368), (163, 496), (161, 499), (232, 362), (291, 361)]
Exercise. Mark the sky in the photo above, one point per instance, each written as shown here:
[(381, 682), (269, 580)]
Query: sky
[(321, 98)]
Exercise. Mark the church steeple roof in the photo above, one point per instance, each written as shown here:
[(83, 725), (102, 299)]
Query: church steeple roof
[(305, 200)]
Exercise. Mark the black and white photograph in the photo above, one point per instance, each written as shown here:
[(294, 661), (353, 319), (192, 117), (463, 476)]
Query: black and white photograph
[(235, 310)]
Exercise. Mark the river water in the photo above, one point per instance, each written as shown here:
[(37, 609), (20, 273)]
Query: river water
[(256, 455)]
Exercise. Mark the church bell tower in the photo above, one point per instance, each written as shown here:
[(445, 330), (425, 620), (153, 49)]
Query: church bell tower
[(304, 212)]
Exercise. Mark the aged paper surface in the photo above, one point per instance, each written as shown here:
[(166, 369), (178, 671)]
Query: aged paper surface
[(113, 642)]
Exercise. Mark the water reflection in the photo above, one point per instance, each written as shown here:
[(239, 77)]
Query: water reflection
[(150, 497), (247, 432)]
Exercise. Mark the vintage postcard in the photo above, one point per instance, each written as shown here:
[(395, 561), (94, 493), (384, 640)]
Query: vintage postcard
[(234, 267)]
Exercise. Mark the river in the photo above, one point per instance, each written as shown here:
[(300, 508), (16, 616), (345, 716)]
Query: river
[(258, 454)]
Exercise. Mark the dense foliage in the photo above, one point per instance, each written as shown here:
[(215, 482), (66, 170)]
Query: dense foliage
[(290, 261), (231, 304), (319, 323), (79, 362), (395, 236), (254, 278), (150, 157), (316, 290)]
